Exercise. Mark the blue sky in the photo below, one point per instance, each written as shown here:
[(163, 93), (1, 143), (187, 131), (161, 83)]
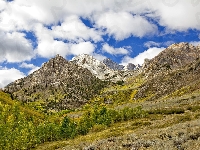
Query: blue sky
[(128, 31)]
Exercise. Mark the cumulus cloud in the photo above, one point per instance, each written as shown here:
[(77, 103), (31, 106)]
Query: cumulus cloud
[(99, 56), (74, 29), (150, 53), (173, 14), (47, 46), (176, 15), (114, 51), (121, 25), (151, 43), (29, 66), (14, 47), (9, 75), (25, 65), (82, 48)]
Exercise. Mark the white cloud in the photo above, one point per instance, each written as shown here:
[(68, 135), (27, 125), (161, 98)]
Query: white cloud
[(47, 46), (74, 29), (82, 48), (2, 5), (9, 75), (176, 15), (14, 47), (168, 43), (29, 66), (114, 51), (99, 56), (121, 25), (151, 43), (158, 44), (173, 14), (150, 53)]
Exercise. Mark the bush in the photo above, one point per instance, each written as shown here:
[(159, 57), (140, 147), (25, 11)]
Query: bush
[(68, 128)]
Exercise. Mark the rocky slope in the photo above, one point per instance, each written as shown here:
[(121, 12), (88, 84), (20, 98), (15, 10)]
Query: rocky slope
[(101, 70), (175, 70), (175, 57), (58, 84)]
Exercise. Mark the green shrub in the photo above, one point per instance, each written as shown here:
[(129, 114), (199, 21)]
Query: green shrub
[(132, 113), (68, 128)]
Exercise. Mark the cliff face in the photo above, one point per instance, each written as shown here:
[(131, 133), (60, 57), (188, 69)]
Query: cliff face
[(59, 84), (112, 65)]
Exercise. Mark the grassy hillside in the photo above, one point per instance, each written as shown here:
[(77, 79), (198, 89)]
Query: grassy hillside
[(170, 123), (115, 119)]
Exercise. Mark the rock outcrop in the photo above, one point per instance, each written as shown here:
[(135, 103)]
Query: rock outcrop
[(112, 65)]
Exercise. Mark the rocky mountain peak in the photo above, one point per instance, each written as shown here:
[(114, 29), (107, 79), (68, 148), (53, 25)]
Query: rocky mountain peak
[(96, 67), (101, 69), (182, 45), (112, 65), (61, 84)]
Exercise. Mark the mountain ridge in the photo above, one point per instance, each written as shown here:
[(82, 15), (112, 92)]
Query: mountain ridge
[(60, 83)]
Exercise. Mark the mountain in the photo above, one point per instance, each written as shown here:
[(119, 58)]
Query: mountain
[(112, 65), (101, 70), (58, 84), (174, 57), (174, 70)]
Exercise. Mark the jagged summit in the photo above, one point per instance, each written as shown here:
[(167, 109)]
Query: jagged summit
[(112, 65), (100, 69), (95, 66), (59, 83)]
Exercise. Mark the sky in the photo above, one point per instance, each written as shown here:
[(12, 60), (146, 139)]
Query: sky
[(126, 31)]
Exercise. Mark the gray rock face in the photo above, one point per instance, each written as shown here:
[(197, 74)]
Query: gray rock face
[(130, 66), (112, 65)]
